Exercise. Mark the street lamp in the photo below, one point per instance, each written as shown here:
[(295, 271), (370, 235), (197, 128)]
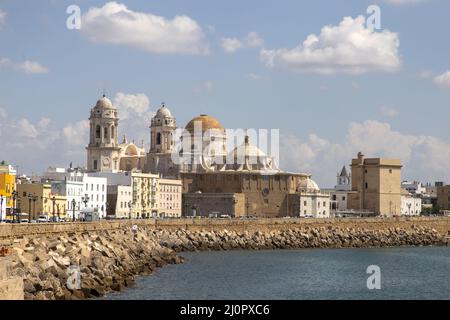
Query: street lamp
[(53, 207), (1, 207), (34, 198), (74, 203), (14, 196), (129, 207), (85, 200)]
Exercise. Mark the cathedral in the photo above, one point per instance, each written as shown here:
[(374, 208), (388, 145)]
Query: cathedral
[(201, 147), (215, 181)]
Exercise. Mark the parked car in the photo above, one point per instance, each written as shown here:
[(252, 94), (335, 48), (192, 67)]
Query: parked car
[(24, 220), (42, 219)]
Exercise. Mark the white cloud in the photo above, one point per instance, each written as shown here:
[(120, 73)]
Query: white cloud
[(76, 134), (389, 112), (231, 45), (135, 116), (2, 18), (424, 157), (350, 47), (252, 40), (27, 66), (130, 105), (32, 67), (254, 76), (443, 80), (203, 87), (4, 62), (114, 23)]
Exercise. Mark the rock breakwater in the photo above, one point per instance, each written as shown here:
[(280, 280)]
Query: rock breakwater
[(324, 237), (107, 261)]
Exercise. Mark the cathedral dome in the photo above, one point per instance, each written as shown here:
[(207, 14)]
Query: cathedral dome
[(207, 122), (163, 112), (249, 157), (104, 103), (308, 185)]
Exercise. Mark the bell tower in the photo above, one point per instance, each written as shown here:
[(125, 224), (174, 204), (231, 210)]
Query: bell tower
[(103, 149), (162, 129), (162, 144)]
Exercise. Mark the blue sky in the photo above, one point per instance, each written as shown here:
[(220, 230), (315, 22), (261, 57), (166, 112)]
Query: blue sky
[(323, 118)]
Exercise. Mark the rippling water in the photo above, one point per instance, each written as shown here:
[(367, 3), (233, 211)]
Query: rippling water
[(406, 273)]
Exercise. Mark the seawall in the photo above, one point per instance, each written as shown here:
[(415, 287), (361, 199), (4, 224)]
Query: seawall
[(107, 255), (13, 231)]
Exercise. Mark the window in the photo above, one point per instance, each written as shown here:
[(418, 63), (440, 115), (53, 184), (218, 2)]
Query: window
[(367, 185), (158, 138), (97, 132), (343, 198), (390, 171), (112, 132), (105, 131), (95, 165), (304, 203)]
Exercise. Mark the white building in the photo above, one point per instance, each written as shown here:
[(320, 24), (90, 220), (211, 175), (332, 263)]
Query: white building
[(313, 202), (2, 208), (72, 188), (95, 191), (411, 205), (339, 194), (344, 181), (120, 199), (87, 191)]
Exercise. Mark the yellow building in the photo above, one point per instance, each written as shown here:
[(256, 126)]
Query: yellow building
[(376, 186), (144, 188), (7, 187), (37, 200)]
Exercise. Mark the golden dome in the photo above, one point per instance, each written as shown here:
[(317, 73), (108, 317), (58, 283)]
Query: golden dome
[(207, 123)]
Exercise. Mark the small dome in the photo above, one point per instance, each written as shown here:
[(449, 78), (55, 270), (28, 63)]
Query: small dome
[(104, 103), (248, 157), (247, 150), (163, 112), (308, 184), (207, 123)]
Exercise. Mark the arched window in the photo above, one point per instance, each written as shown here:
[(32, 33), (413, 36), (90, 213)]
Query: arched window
[(158, 138), (97, 132), (105, 133), (112, 132)]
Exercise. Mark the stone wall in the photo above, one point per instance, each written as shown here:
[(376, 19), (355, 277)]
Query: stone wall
[(11, 231)]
